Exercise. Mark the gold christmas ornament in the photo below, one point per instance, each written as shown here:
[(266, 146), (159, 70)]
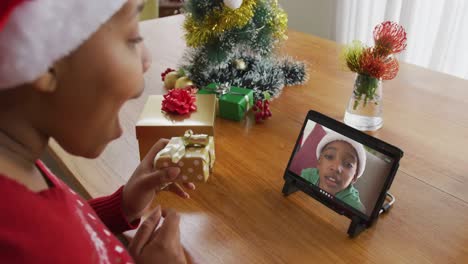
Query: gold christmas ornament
[(183, 82), (240, 64), (170, 80), (233, 4)]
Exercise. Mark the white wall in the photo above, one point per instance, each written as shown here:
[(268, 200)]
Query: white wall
[(310, 16)]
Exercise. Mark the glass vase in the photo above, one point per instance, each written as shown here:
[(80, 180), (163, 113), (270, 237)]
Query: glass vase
[(364, 111)]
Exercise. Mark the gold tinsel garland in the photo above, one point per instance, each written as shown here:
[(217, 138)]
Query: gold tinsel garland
[(279, 21), (199, 33)]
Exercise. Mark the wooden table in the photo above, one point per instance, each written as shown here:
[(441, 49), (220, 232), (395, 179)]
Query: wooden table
[(240, 216)]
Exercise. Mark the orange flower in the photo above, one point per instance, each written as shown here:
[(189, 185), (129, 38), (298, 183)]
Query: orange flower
[(390, 38), (391, 68), (374, 65), (371, 64)]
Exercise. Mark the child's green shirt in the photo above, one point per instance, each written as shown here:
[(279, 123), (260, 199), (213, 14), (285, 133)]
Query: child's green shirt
[(350, 195)]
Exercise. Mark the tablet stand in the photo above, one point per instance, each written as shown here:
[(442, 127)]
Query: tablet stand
[(289, 187), (355, 228)]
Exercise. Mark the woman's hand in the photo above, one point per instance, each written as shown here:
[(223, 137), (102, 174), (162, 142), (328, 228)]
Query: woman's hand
[(146, 181), (161, 245)]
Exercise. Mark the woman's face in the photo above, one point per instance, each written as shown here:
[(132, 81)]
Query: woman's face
[(337, 166), (94, 82)]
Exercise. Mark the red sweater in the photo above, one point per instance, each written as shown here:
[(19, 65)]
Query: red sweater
[(58, 226)]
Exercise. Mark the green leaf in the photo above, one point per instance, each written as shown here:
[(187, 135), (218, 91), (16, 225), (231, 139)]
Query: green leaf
[(181, 72)]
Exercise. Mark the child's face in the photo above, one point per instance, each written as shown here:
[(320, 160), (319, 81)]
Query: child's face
[(94, 82), (337, 166)]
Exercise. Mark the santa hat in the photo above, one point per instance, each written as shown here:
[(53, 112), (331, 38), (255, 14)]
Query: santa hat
[(360, 151), (36, 33)]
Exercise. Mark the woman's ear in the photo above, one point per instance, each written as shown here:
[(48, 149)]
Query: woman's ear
[(47, 82)]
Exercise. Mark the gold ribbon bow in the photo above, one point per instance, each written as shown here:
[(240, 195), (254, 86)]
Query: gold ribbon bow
[(195, 140), (176, 148)]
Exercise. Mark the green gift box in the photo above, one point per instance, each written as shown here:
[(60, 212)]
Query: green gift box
[(233, 102)]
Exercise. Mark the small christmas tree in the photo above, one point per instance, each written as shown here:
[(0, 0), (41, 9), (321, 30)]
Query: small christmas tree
[(233, 41)]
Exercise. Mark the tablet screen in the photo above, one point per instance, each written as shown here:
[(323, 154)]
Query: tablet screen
[(340, 167)]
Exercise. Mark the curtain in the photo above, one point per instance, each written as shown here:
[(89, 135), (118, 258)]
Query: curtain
[(437, 30)]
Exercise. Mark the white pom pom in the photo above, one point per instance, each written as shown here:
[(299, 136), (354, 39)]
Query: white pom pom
[(233, 4)]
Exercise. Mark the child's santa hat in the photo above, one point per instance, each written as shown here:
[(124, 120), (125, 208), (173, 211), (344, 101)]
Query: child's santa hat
[(36, 33)]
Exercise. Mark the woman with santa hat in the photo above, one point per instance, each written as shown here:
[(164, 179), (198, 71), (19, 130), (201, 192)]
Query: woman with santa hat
[(66, 69)]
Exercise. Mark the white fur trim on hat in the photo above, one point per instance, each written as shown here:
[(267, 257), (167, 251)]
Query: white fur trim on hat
[(40, 32), (361, 152)]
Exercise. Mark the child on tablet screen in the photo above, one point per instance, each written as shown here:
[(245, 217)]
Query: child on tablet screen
[(341, 161)]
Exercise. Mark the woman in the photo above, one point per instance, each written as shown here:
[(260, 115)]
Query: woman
[(66, 69)]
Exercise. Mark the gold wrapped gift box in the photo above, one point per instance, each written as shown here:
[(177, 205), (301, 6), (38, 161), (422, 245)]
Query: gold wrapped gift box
[(154, 123), (193, 154)]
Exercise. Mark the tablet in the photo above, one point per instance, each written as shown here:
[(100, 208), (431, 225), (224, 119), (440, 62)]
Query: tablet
[(343, 168)]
